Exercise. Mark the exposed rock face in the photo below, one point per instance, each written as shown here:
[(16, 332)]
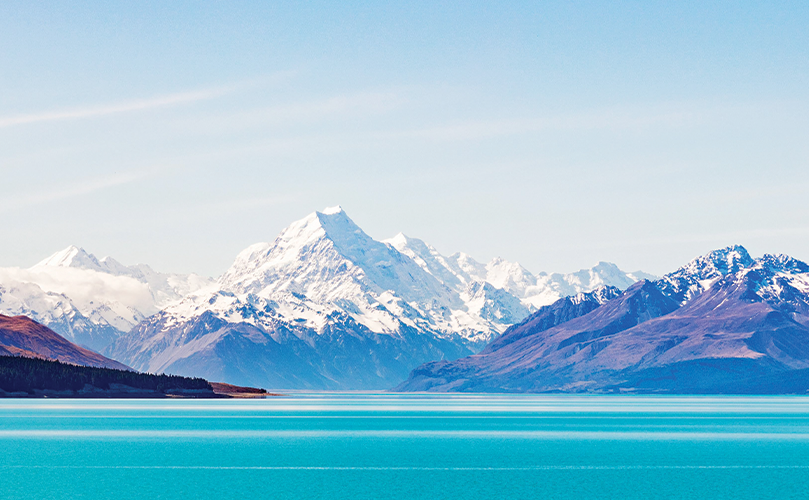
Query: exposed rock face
[(559, 312), (22, 336)]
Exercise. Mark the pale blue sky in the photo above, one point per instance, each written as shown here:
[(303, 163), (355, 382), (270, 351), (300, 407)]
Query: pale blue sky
[(554, 134)]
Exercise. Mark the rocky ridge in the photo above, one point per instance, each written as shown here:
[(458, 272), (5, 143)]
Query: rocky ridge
[(723, 323)]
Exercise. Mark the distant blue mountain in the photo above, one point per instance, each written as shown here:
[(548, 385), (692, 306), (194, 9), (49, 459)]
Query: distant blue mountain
[(743, 327)]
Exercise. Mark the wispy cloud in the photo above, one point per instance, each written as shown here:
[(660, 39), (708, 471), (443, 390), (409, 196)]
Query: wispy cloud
[(364, 103), (678, 115), (136, 105), (472, 130), (361, 104), (109, 109), (73, 189), (484, 129)]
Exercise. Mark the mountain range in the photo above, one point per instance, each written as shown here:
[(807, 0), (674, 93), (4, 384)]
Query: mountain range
[(325, 306), (723, 323), (87, 300)]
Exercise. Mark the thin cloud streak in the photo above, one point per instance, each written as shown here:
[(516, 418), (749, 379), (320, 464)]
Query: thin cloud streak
[(359, 105), (136, 105), (95, 111), (640, 119), (367, 103), (485, 129), (74, 189)]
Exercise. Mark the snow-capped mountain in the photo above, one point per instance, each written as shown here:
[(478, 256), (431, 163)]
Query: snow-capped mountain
[(724, 322), (87, 300), (699, 274), (328, 260), (534, 291), (164, 288), (348, 311), (56, 310)]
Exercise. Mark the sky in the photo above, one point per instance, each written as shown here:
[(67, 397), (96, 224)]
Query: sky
[(555, 134)]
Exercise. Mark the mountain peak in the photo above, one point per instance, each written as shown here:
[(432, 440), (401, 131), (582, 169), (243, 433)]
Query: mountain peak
[(332, 210), (716, 263), (339, 227), (332, 223), (696, 276), (412, 247), (733, 256), (605, 265), (398, 241), (326, 254), (71, 256)]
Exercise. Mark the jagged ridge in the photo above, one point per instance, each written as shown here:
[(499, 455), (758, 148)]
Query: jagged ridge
[(742, 327)]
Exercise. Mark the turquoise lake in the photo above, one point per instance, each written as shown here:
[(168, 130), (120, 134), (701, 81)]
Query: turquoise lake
[(350, 446)]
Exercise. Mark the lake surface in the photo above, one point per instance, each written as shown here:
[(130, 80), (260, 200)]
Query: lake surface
[(368, 446)]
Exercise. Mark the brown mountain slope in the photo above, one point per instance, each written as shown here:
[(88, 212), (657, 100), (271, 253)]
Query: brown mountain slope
[(22, 336)]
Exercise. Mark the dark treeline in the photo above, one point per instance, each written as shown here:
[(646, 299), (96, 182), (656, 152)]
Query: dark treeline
[(18, 374)]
